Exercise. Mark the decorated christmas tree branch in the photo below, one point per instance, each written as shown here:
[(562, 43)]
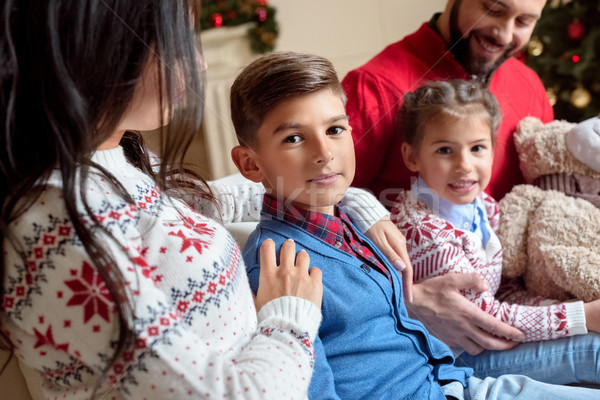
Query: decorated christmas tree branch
[(263, 33), (565, 52)]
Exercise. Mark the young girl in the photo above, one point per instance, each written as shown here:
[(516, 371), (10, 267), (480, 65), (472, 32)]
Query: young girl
[(111, 286), (449, 224)]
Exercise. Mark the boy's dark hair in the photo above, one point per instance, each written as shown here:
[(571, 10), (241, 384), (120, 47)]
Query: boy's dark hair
[(272, 79), (458, 98)]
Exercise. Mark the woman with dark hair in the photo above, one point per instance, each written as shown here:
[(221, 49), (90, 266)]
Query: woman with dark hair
[(113, 286)]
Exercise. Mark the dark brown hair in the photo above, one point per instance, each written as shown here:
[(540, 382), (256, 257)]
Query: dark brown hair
[(458, 98), (274, 78), (68, 74)]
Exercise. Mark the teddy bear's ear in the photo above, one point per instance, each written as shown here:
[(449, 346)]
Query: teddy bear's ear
[(526, 128), (542, 148), (524, 139)]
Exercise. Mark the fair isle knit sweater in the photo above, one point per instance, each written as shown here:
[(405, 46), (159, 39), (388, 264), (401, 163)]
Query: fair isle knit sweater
[(436, 247), (198, 334)]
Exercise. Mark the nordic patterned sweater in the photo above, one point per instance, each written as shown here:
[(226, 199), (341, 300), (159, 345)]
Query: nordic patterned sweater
[(198, 334), (436, 247)]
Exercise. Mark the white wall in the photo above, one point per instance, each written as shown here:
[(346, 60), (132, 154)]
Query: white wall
[(348, 32)]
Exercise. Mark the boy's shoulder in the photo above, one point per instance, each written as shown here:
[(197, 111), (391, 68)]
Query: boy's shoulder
[(251, 253), (268, 228), (273, 228), (279, 231)]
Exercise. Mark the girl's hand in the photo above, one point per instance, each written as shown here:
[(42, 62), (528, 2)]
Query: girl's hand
[(391, 242), (592, 315), (292, 277)]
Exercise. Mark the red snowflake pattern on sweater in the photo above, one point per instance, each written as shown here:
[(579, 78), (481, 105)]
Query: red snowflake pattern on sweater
[(90, 291), (188, 242), (436, 247), (48, 339), (148, 271)]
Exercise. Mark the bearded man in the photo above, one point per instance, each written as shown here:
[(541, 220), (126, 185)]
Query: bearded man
[(473, 40)]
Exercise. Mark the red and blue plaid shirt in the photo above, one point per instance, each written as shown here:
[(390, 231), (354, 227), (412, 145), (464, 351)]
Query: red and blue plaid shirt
[(336, 231)]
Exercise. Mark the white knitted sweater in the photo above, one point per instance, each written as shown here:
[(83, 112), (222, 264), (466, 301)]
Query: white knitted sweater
[(197, 331)]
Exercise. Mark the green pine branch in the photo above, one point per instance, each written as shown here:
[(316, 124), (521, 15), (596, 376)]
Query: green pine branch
[(568, 63)]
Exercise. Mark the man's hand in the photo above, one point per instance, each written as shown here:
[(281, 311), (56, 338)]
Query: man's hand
[(291, 278), (391, 242), (451, 317)]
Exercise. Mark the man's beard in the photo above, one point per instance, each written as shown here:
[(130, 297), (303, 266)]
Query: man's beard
[(479, 67)]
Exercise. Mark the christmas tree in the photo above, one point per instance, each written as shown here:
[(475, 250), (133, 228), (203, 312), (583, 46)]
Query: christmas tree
[(264, 30), (565, 52)]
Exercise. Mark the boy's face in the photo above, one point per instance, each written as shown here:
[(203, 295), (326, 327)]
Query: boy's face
[(305, 152), (454, 158)]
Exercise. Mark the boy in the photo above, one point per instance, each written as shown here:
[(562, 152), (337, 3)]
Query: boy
[(288, 112)]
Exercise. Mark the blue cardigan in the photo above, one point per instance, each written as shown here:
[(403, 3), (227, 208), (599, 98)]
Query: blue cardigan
[(367, 347)]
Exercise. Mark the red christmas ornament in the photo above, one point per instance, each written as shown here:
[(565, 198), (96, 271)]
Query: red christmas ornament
[(575, 58), (217, 20), (261, 2), (576, 29), (261, 14)]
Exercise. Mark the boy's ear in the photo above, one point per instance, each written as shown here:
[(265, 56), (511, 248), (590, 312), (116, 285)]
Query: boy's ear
[(409, 156), (245, 161)]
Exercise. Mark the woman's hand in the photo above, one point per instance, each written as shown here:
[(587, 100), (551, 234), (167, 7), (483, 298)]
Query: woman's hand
[(291, 278), (452, 318), (391, 242)]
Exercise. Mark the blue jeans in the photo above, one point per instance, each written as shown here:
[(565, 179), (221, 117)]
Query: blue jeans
[(516, 387), (574, 359)]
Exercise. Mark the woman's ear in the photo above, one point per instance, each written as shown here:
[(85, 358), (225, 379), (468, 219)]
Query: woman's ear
[(410, 157), (245, 161)]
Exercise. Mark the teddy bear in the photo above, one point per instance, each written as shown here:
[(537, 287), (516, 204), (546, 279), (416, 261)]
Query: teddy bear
[(550, 226)]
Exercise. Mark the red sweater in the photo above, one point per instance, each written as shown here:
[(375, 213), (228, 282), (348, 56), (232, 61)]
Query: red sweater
[(375, 93)]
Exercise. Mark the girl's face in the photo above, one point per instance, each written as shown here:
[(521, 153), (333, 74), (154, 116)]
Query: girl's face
[(455, 156)]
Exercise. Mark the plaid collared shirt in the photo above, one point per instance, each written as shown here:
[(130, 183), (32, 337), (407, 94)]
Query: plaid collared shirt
[(336, 231)]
